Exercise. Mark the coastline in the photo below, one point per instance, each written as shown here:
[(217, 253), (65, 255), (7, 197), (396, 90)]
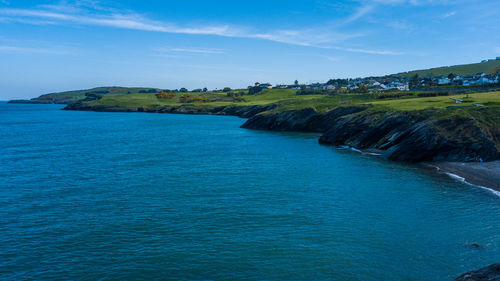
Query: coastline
[(485, 175)]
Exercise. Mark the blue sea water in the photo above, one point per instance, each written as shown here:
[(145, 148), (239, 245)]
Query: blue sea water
[(137, 196)]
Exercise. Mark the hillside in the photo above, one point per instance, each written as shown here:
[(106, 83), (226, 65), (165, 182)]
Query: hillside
[(74, 96), (436, 126), (488, 67)]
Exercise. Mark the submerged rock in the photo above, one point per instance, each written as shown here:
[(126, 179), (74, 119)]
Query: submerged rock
[(490, 273)]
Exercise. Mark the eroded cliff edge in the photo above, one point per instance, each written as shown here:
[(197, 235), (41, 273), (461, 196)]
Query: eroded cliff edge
[(459, 135), (410, 136)]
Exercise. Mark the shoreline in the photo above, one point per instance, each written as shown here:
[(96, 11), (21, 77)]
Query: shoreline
[(485, 175)]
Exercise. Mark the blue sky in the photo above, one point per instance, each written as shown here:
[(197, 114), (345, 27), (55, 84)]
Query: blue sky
[(48, 46)]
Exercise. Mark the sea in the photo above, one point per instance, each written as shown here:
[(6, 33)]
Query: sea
[(142, 196)]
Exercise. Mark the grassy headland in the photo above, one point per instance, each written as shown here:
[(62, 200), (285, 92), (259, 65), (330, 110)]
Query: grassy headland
[(68, 97), (404, 126), (464, 69), (287, 99)]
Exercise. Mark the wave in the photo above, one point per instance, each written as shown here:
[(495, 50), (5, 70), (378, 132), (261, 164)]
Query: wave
[(463, 180)]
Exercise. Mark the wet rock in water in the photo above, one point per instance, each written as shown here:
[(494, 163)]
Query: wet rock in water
[(476, 245), (490, 273)]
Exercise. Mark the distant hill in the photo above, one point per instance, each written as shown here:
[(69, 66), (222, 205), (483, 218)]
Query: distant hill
[(73, 96), (488, 67)]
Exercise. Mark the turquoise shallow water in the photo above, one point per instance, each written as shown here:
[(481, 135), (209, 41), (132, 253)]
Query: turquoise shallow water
[(132, 196)]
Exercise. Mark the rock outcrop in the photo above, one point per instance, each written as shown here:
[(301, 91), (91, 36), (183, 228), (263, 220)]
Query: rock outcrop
[(414, 136), (490, 273), (410, 136), (240, 111)]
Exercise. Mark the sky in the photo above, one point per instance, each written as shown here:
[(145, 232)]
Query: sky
[(50, 46)]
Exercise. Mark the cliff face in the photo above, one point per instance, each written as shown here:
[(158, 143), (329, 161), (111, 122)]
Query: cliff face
[(240, 111), (401, 136), (490, 273), (411, 136)]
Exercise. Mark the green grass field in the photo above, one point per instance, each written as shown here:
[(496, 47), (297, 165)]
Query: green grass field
[(465, 69), (289, 100), (73, 96)]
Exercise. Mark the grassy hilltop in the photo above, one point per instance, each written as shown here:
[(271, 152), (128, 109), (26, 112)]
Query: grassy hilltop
[(488, 67), (287, 99), (68, 97)]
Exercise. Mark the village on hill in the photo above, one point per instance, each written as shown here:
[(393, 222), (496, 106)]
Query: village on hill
[(398, 83)]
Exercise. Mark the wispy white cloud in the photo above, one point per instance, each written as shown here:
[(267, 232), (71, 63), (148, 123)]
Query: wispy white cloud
[(450, 14), (65, 15), (319, 37), (361, 12)]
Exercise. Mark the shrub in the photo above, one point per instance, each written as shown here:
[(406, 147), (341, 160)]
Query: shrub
[(254, 90), (164, 95), (238, 99)]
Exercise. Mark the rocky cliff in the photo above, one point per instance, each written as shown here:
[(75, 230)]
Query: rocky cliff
[(410, 136), (402, 136), (240, 111), (490, 273)]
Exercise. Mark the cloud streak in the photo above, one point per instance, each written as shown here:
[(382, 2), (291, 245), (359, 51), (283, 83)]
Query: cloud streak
[(137, 22), (323, 37), (361, 12)]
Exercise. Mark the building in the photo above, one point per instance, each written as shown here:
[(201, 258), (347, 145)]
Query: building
[(443, 81), (264, 85)]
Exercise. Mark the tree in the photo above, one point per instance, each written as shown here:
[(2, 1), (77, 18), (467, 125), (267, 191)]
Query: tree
[(205, 90), (451, 76), (183, 90), (254, 90), (414, 82), (296, 83), (226, 89)]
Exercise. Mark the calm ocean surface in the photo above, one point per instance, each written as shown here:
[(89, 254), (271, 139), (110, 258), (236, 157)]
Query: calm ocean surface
[(137, 196)]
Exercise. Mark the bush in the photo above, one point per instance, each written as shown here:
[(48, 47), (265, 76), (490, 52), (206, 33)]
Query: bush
[(254, 90), (393, 95), (303, 92), (165, 95), (238, 99), (433, 94)]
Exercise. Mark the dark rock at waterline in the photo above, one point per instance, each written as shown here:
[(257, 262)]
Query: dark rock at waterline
[(402, 136), (490, 273), (411, 136), (414, 137), (307, 119), (294, 120), (240, 111)]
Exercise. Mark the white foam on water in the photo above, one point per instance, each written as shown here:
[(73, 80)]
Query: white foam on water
[(351, 148), (463, 180)]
